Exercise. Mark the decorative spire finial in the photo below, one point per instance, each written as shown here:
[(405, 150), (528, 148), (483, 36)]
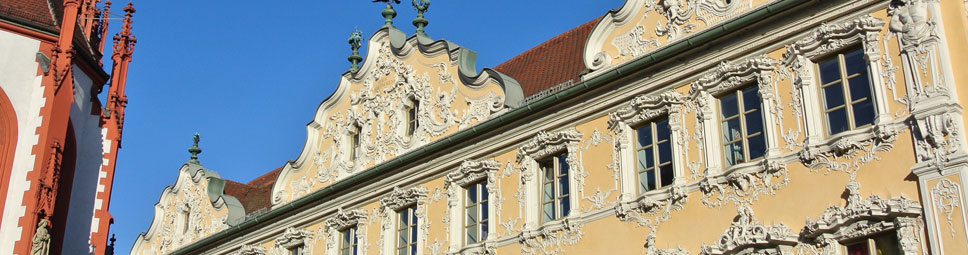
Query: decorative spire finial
[(194, 150), (356, 40), (388, 12), (420, 22)]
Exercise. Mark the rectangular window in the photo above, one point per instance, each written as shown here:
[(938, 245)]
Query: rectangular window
[(885, 244), (355, 142), (475, 228), (348, 244), (653, 151), (555, 202), (742, 126), (298, 250), (412, 118), (407, 231), (186, 220), (846, 91)]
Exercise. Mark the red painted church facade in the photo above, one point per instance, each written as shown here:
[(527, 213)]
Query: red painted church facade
[(58, 141)]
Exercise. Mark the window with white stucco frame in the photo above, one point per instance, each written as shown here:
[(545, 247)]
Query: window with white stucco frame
[(750, 78), (541, 148), (648, 130), (466, 186), (404, 221), (808, 58), (346, 230)]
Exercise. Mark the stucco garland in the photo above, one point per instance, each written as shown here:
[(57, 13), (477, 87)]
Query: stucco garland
[(398, 200), (865, 217), (747, 236), (342, 220)]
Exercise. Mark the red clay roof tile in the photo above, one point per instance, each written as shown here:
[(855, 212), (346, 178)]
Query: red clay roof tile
[(556, 61)]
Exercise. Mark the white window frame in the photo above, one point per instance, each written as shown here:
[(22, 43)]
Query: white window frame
[(644, 109), (543, 145), (390, 208), (342, 221), (803, 56), (468, 173), (295, 238), (727, 78)]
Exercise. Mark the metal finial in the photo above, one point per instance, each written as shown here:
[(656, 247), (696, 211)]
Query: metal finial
[(194, 150), (389, 12), (356, 41), (420, 22)]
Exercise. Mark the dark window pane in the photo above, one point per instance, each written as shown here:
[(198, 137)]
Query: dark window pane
[(665, 152), (829, 70), (471, 215), (859, 87), (472, 234), (563, 185), (645, 135), (667, 175), (754, 122), (563, 164), (751, 99), (472, 194), (565, 206), (662, 130), (855, 62), (642, 157), (833, 96), (644, 181), (413, 248), (864, 113), (887, 244), (731, 130), (649, 158), (548, 191), (857, 249), (404, 217), (483, 216), (483, 191), (837, 121), (757, 146), (413, 234), (548, 212), (402, 237), (650, 175), (733, 153), (728, 105), (484, 230)]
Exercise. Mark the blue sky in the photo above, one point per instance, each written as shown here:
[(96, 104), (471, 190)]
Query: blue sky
[(248, 76)]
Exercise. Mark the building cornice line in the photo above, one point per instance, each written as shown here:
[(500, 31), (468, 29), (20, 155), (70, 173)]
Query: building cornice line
[(616, 73)]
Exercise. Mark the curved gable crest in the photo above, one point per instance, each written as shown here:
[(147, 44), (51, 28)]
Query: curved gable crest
[(370, 117), (193, 208)]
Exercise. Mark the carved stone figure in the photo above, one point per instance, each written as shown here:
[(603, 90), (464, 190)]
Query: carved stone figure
[(910, 19), (41, 241)]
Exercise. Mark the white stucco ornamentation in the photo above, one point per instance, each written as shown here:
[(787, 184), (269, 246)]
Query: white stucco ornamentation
[(468, 173), (747, 236), (189, 211), (294, 237), (549, 240), (650, 248), (744, 187), (865, 217), (947, 198), (250, 250), (342, 221)]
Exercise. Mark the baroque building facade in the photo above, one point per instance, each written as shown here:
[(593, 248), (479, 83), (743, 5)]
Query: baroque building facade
[(662, 127), (59, 135)]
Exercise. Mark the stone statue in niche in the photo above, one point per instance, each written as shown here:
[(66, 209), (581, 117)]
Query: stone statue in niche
[(41, 241)]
